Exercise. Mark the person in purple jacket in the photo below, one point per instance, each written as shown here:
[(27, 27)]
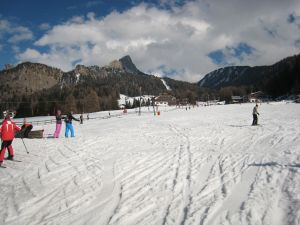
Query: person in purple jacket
[(59, 119)]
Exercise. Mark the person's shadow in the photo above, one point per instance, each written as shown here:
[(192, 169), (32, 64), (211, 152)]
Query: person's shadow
[(274, 164), (230, 125)]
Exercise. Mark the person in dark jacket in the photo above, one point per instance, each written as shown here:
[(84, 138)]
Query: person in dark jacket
[(59, 119), (81, 119), (255, 115), (69, 125), (25, 129)]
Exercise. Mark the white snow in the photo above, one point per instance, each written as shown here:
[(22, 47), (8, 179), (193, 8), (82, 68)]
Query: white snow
[(203, 166), (77, 77), (158, 75), (166, 85)]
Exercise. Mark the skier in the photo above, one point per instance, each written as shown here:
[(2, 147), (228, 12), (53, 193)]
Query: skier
[(59, 118), (7, 130), (81, 119), (69, 125), (255, 115)]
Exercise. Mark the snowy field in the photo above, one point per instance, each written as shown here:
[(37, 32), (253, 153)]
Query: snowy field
[(203, 166)]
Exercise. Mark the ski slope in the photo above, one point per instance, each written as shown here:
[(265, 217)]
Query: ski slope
[(204, 166)]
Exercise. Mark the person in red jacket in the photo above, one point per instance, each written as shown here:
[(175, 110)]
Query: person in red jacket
[(7, 130)]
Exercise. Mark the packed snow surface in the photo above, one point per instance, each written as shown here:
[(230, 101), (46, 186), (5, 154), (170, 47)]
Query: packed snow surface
[(202, 166)]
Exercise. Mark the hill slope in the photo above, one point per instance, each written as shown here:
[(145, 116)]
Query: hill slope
[(278, 79)]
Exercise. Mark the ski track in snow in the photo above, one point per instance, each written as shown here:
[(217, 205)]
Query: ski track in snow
[(206, 166)]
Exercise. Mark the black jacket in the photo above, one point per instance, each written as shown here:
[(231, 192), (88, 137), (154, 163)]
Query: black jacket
[(59, 119), (69, 118)]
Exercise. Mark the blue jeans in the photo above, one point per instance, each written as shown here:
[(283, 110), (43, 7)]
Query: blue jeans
[(69, 126)]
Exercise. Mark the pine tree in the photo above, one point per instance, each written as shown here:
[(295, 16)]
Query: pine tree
[(91, 102), (70, 104)]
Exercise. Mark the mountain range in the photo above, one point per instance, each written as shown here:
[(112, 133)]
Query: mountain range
[(38, 89), (278, 79)]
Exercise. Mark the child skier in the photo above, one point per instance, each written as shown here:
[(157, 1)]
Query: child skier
[(7, 130), (69, 125), (59, 118)]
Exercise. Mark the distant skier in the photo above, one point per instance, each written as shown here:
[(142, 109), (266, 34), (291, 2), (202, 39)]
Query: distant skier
[(7, 130), (69, 125), (255, 115), (81, 119), (59, 119)]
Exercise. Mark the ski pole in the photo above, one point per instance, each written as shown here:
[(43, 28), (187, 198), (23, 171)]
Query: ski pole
[(25, 146)]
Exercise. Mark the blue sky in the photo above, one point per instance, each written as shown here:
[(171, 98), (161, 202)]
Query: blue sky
[(35, 13), (184, 39)]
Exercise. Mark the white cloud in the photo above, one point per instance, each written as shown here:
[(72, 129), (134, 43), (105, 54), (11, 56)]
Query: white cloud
[(20, 34), (4, 25), (179, 38), (15, 48), (44, 26), (57, 57), (14, 32), (90, 4)]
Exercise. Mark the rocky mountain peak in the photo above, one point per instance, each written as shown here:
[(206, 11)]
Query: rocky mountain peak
[(128, 65)]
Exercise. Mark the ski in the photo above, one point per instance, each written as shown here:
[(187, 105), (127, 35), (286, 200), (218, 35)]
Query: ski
[(12, 159), (2, 166)]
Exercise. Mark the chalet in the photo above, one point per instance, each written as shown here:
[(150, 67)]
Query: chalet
[(237, 99), (165, 100), (258, 96)]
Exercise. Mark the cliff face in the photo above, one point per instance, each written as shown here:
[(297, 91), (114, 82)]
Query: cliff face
[(129, 66)]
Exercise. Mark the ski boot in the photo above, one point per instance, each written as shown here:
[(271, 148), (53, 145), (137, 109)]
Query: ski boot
[(10, 157)]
